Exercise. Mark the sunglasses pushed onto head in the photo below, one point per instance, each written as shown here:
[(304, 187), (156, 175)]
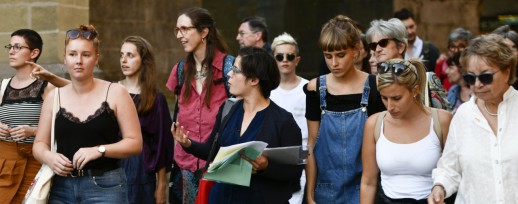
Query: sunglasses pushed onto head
[(397, 68), (76, 33)]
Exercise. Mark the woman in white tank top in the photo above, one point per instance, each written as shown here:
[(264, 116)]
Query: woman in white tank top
[(408, 147)]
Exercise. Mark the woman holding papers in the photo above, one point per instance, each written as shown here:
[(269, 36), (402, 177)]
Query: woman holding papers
[(254, 118)]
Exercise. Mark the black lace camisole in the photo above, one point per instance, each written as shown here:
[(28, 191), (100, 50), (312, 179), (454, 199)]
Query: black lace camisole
[(101, 128)]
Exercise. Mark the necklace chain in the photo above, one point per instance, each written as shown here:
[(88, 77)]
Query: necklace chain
[(487, 111)]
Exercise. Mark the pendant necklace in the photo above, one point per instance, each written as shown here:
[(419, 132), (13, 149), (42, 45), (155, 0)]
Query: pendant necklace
[(202, 73), (487, 111)]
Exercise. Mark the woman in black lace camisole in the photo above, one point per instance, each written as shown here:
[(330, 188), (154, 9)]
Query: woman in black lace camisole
[(91, 113)]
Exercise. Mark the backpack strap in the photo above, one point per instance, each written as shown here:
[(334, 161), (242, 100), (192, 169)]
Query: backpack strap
[(228, 62), (178, 88), (437, 126), (377, 129)]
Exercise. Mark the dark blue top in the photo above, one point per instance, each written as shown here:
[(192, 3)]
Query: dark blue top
[(272, 125), (221, 192)]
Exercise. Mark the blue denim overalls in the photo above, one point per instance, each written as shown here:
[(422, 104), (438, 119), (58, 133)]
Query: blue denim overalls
[(338, 151)]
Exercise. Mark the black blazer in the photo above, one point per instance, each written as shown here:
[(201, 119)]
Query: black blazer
[(279, 129)]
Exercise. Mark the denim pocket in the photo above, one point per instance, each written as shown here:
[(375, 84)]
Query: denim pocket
[(324, 193), (110, 179)]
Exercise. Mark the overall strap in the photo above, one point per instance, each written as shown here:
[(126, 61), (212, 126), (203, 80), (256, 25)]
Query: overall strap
[(108, 90), (377, 128), (322, 89), (365, 94), (437, 126)]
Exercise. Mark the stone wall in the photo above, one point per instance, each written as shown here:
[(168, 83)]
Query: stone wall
[(50, 18)]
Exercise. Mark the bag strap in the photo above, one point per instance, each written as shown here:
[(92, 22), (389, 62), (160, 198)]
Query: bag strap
[(5, 82), (229, 104), (55, 108), (437, 126), (228, 62), (377, 129)]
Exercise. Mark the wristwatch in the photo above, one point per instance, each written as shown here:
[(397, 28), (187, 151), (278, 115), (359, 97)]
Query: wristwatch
[(101, 149)]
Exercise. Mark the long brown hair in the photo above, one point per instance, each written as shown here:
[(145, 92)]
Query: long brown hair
[(147, 73), (202, 19)]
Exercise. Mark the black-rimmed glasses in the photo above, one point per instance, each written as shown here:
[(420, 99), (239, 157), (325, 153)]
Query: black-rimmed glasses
[(74, 34), (381, 43), (16, 47), (484, 78), (183, 29), (288, 56)]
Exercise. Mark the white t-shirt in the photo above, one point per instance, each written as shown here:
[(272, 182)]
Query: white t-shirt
[(294, 101)]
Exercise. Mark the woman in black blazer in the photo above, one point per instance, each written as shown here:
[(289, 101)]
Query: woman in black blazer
[(254, 118)]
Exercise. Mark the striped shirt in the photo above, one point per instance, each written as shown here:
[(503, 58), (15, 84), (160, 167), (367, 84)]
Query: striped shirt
[(22, 107)]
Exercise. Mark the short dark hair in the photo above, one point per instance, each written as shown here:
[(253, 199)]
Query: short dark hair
[(454, 60), (257, 24), (257, 63), (404, 14), (32, 38)]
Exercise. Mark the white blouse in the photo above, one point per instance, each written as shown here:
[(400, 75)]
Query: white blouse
[(477, 164)]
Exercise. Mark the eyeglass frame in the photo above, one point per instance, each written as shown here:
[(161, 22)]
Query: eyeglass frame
[(482, 80), (183, 30), (382, 43), (87, 34), (236, 70), (286, 56), (16, 47)]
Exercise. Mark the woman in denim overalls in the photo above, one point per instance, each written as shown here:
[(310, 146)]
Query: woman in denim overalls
[(337, 107)]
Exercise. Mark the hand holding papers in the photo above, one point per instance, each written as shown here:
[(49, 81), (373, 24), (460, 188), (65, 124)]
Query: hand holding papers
[(229, 167)]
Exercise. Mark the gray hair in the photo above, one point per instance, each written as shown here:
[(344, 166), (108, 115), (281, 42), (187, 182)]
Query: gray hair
[(283, 39), (393, 28), (459, 34)]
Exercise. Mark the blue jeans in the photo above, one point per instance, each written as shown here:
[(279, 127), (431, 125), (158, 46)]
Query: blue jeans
[(110, 188)]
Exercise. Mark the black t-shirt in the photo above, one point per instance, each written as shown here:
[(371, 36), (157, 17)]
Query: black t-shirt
[(341, 103)]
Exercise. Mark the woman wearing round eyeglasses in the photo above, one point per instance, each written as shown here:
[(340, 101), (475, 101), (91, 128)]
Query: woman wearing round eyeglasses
[(146, 172), (91, 114), (480, 158), (387, 39), (21, 99), (406, 148), (337, 105), (254, 118), (199, 94)]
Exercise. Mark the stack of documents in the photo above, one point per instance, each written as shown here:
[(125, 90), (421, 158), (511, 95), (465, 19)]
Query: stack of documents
[(229, 167)]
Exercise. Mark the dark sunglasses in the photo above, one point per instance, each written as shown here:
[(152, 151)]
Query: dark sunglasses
[(381, 43), (485, 78), (74, 34), (289, 56), (397, 68)]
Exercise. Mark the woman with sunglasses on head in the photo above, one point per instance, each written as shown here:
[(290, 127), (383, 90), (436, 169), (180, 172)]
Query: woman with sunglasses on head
[(459, 92), (92, 113), (407, 146), (146, 172), (480, 158), (290, 96), (254, 118), (200, 93), (21, 99), (387, 39), (337, 105)]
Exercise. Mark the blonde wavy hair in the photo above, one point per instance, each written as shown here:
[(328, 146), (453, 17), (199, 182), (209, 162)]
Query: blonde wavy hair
[(414, 75)]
